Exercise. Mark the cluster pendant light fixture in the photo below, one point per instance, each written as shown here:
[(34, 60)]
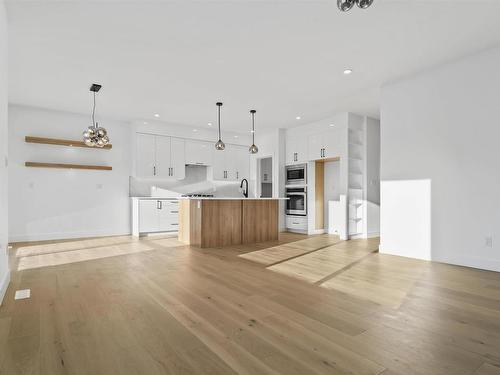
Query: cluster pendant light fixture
[(253, 148), (95, 136), (219, 145), (346, 5)]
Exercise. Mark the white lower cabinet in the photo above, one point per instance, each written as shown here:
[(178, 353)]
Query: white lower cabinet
[(155, 215), (296, 223)]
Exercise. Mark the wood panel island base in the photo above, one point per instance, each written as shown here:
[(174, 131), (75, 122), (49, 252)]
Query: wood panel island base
[(213, 222)]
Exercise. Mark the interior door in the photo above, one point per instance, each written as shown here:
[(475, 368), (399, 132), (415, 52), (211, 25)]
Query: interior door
[(145, 155), (162, 147), (148, 216), (178, 158)]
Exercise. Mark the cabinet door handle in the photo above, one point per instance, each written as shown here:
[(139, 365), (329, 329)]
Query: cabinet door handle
[(154, 170), (172, 171), (237, 175), (174, 212), (174, 224), (157, 205), (161, 205)]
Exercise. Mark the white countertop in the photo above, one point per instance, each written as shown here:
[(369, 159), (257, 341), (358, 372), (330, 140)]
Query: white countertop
[(211, 198), (234, 199), (156, 198)]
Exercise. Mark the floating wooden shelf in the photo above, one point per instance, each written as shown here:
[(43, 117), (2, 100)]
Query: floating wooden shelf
[(62, 142), (67, 166)]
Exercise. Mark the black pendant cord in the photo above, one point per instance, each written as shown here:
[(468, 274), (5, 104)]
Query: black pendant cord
[(218, 117), (253, 128), (93, 113)]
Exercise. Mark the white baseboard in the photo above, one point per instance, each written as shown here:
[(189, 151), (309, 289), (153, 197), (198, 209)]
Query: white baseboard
[(63, 235), (4, 284), (373, 235), (460, 260)]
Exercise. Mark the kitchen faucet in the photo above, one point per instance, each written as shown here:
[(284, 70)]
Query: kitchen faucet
[(245, 190)]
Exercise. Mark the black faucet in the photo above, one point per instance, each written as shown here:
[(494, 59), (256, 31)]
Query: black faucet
[(245, 191)]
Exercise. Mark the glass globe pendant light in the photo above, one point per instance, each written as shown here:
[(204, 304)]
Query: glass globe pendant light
[(219, 145), (253, 148), (363, 4), (95, 136), (346, 5)]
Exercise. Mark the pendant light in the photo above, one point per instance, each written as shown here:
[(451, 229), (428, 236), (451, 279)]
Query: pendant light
[(253, 148), (220, 146), (346, 5), (95, 136)]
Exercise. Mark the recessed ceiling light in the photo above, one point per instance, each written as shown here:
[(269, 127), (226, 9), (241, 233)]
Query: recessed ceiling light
[(332, 124), (297, 118), (347, 71), (157, 115), (195, 130), (145, 122), (235, 136), (209, 124)]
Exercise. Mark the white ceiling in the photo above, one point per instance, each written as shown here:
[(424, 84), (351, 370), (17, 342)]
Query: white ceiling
[(284, 58)]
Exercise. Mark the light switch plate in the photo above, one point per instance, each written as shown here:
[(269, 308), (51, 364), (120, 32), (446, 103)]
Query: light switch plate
[(22, 294)]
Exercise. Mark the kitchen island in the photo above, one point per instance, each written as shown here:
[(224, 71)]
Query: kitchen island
[(219, 222)]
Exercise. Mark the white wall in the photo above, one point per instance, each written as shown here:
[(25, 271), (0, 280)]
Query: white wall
[(4, 265), (372, 177), (440, 129), (63, 203)]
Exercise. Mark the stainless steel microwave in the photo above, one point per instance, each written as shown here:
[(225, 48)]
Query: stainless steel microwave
[(296, 174)]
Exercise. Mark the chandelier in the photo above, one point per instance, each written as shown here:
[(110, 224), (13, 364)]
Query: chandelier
[(95, 136)]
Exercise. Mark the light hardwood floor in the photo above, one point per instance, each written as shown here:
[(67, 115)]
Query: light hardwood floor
[(154, 306)]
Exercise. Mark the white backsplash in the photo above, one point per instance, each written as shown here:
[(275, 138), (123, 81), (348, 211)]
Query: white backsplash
[(197, 180)]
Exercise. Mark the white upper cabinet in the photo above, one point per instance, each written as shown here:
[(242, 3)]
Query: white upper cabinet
[(326, 144), (162, 151), (199, 152), (232, 164), (241, 167), (159, 156), (177, 158), (145, 159), (220, 164), (296, 150)]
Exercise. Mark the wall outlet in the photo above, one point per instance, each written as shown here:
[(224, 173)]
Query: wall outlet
[(488, 242)]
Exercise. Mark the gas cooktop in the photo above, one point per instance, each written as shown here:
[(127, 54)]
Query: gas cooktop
[(198, 195)]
